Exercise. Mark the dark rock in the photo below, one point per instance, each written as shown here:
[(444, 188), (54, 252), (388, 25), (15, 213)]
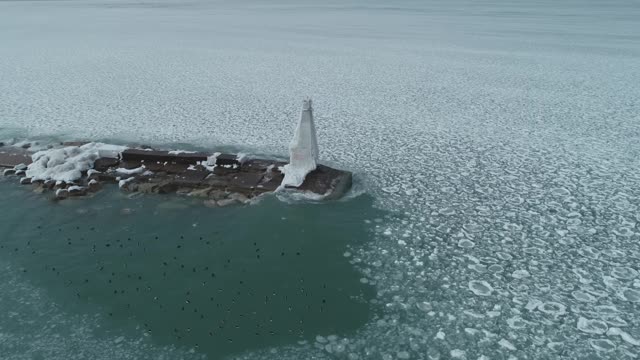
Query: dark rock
[(20, 172), (107, 177), (25, 181), (104, 164), (227, 160), (21, 167), (167, 186), (226, 202), (39, 188), (162, 156), (129, 185), (262, 165), (8, 172), (62, 194), (204, 192), (60, 185), (243, 182), (77, 191), (26, 146), (49, 184), (14, 156), (224, 171), (183, 191), (130, 165), (327, 181), (148, 187), (239, 197), (74, 143), (191, 178), (270, 181), (93, 185), (210, 203), (217, 194)]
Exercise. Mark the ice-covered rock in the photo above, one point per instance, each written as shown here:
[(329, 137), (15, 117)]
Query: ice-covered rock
[(303, 150), (67, 163)]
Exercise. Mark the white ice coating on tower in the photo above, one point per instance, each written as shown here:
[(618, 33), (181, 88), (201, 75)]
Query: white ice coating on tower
[(303, 150)]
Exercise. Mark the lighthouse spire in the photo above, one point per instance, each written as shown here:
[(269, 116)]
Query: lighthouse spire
[(303, 150)]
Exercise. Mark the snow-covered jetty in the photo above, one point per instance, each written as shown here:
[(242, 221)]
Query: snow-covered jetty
[(81, 168)]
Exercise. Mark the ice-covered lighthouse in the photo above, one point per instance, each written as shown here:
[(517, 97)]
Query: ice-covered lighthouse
[(303, 150)]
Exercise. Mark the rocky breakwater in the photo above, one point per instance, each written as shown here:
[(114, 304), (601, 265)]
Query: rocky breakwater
[(81, 169)]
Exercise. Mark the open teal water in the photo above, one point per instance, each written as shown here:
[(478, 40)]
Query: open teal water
[(174, 273)]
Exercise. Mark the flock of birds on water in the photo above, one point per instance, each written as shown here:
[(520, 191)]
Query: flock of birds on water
[(194, 289)]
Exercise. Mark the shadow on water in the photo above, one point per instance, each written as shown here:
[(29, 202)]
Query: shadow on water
[(221, 280)]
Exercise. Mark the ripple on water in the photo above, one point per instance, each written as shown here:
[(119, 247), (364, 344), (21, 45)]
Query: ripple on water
[(480, 287)]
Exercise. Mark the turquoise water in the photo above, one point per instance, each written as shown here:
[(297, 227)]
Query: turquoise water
[(212, 281)]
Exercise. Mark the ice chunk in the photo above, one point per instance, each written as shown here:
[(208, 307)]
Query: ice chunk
[(481, 288), (592, 326), (624, 335), (507, 344), (138, 170), (303, 150), (210, 163), (122, 183)]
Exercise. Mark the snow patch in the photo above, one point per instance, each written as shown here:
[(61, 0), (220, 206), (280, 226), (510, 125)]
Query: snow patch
[(68, 163), (123, 182)]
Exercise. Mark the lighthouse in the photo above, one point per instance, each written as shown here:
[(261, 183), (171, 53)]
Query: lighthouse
[(303, 150)]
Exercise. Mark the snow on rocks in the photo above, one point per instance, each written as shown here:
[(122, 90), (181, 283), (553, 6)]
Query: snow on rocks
[(68, 163), (210, 164), (7, 172), (123, 182), (62, 194)]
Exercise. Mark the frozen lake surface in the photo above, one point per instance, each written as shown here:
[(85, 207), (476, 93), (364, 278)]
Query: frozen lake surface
[(503, 137)]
